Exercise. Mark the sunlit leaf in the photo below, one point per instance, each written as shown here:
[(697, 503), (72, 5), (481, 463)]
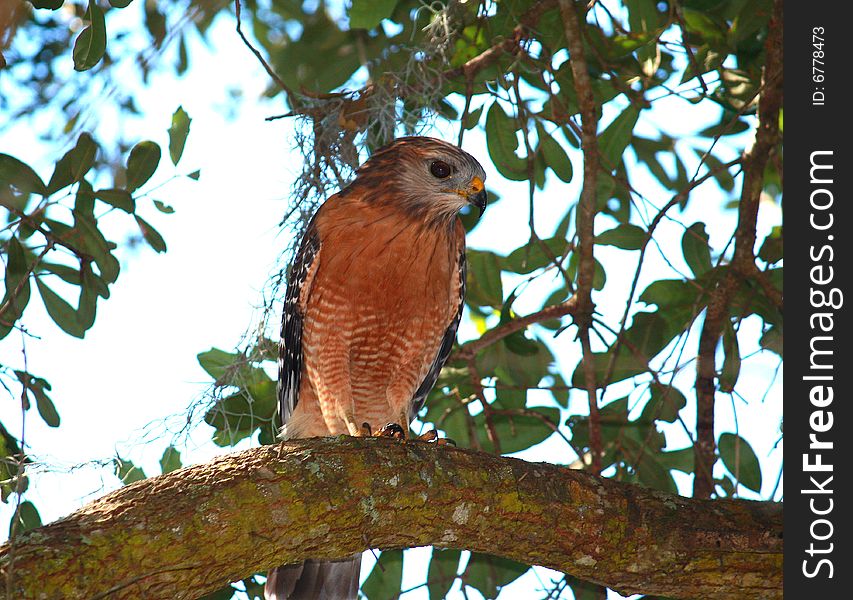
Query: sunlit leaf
[(178, 133)]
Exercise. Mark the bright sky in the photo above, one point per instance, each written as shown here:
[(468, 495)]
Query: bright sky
[(137, 366)]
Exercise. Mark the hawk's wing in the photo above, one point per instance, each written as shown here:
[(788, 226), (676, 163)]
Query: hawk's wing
[(290, 346), (446, 344)]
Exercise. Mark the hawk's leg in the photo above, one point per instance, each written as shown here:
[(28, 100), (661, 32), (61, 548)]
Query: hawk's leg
[(353, 429)]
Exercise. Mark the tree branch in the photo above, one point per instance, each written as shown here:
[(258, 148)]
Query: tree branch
[(585, 216), (743, 262), (191, 531)]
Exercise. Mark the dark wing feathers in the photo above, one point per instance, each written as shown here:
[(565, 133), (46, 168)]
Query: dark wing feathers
[(290, 347), (446, 345)]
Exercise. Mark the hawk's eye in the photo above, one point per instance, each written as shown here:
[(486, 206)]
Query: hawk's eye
[(440, 169)]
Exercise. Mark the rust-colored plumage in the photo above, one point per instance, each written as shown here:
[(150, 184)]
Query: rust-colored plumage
[(373, 303)]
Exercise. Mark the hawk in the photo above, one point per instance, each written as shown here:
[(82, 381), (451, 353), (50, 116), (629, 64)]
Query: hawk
[(373, 302)]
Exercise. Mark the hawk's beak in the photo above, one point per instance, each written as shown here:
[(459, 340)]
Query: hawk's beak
[(477, 195)]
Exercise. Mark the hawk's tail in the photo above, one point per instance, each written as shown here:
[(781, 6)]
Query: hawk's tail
[(315, 580)]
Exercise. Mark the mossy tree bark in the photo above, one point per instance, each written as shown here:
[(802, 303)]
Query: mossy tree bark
[(192, 531)]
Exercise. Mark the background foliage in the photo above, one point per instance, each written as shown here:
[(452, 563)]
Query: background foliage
[(354, 75)]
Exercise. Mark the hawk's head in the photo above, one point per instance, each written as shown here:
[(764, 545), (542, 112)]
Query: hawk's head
[(425, 175)]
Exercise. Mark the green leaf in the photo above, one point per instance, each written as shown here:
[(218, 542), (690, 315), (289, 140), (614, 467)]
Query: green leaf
[(154, 239), (45, 407), (613, 140), (178, 133), (120, 3), (195, 175), (702, 26), (163, 208), (771, 249), (697, 252), (625, 236), (49, 4), (64, 272), (170, 461), (663, 405), (367, 14), (502, 142), (585, 590), (21, 176), (442, 572), (741, 461), (385, 579), (141, 164), (127, 472), (60, 311), (91, 44), (599, 277), (727, 126), (472, 119), (26, 518), (252, 407), (74, 165), (649, 333), (554, 155), (772, 339), (531, 256), (484, 279), (488, 574), (226, 593), (681, 460), (518, 432), (17, 274), (731, 362), (218, 363), (117, 197)]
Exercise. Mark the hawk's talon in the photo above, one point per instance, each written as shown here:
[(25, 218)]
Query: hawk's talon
[(431, 437), (391, 430), (366, 429)]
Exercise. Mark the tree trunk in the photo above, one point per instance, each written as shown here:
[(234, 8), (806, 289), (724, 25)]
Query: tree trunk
[(192, 531)]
